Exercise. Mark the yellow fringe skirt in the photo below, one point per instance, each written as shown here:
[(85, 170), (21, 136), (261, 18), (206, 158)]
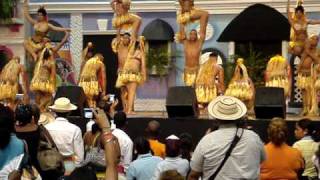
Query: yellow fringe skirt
[(304, 81), (45, 86), (281, 82), (190, 76), (205, 94), (90, 86), (8, 90), (241, 91), (125, 77)]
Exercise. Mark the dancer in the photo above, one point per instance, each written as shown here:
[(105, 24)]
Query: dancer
[(124, 20), (210, 80), (299, 22), (9, 82), (241, 86), (120, 45), (41, 26), (87, 53), (278, 74), (189, 17), (93, 79), (306, 76), (133, 73), (43, 83)]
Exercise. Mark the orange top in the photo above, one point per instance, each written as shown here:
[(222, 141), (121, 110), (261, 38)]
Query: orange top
[(282, 163), (158, 148)]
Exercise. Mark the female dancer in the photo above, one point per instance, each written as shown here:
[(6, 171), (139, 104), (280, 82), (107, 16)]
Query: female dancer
[(299, 22), (34, 44), (241, 86), (133, 73)]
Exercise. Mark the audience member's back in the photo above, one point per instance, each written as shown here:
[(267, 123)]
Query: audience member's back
[(283, 161), (145, 164), (152, 132)]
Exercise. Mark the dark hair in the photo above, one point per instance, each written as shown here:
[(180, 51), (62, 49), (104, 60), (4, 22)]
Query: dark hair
[(43, 11), (299, 8), (171, 175), (173, 148), (186, 145), (35, 112), (194, 30), (6, 125), (46, 54), (278, 131), (62, 114), (120, 119), (153, 129), (83, 173), (95, 128), (23, 114), (126, 34), (142, 145), (137, 45), (306, 124), (214, 54)]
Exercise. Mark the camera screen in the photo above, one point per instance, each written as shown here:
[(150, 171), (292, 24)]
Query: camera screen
[(88, 114)]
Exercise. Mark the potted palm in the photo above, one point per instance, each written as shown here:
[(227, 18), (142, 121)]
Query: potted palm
[(158, 61)]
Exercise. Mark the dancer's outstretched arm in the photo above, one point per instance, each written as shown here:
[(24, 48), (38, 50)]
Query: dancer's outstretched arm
[(26, 12)]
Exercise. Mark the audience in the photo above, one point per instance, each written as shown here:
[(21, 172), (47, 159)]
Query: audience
[(171, 175), (11, 148), (145, 164), (306, 144), (66, 135), (82, 173), (283, 161), (186, 146), (316, 162), (152, 132), (247, 154), (173, 161), (126, 144)]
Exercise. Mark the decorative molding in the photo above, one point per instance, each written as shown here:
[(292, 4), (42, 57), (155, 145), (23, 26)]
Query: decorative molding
[(214, 7), (97, 32), (11, 41), (77, 41)]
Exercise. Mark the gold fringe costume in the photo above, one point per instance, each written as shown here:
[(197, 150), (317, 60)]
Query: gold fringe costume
[(128, 73), (42, 80), (239, 87), (88, 78), (277, 72), (205, 85), (9, 80), (293, 38), (190, 75)]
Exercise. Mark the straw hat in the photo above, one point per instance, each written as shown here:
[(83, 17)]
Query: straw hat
[(63, 105), (227, 108)]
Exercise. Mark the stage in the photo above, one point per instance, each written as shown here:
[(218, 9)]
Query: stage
[(198, 127)]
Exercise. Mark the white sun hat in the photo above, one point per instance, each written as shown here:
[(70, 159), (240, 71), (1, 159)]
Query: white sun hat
[(63, 104), (227, 108)]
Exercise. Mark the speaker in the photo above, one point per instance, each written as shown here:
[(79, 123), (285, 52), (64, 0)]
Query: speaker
[(76, 96), (270, 103), (181, 102)]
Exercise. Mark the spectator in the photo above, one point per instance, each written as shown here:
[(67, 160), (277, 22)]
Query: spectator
[(11, 148), (126, 144), (284, 162), (186, 146), (144, 166), (110, 143), (83, 173), (152, 132), (171, 175), (66, 136), (305, 132), (316, 162), (173, 161), (247, 154)]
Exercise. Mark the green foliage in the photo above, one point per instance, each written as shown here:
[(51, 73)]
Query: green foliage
[(228, 67), (158, 58), (255, 62), (6, 9)]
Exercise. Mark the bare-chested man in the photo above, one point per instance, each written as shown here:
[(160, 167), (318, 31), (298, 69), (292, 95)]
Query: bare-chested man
[(306, 78), (120, 46), (9, 82), (210, 80), (192, 50)]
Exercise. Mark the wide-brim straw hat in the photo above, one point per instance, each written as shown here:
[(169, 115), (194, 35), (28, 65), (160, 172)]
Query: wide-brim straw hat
[(63, 105), (227, 108)]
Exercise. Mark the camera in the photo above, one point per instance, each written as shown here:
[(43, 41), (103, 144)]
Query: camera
[(88, 114)]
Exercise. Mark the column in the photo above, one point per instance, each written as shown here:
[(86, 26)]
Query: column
[(76, 39)]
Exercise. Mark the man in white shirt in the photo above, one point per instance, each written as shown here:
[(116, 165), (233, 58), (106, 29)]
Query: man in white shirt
[(66, 136), (126, 144), (245, 158)]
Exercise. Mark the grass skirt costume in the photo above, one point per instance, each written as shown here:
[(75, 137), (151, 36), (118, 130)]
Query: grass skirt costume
[(9, 80), (88, 78), (205, 85), (278, 76)]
